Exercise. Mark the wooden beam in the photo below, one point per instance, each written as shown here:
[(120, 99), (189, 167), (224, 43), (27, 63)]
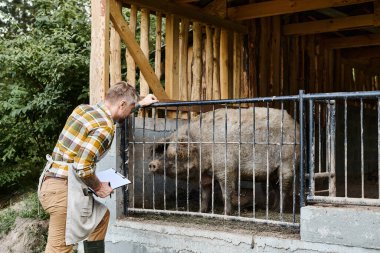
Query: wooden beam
[(216, 65), (363, 52), (115, 54), (237, 65), (376, 11), (99, 61), (131, 65), (353, 41), (157, 57), (224, 64), (125, 33), (280, 7), (144, 43), (217, 7), (172, 57), (197, 67), (329, 25), (190, 12), (209, 62), (184, 37)]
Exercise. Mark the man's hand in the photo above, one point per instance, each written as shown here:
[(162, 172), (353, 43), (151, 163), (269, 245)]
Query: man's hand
[(148, 100), (104, 190)]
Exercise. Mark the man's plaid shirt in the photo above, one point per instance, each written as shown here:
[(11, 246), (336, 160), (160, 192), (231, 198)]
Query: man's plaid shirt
[(87, 135)]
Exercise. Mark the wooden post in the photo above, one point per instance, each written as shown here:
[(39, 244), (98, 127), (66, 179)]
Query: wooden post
[(190, 59), (157, 59), (131, 65), (276, 55), (144, 44), (209, 62), (237, 65), (197, 67), (224, 64), (216, 66), (265, 52), (184, 40), (115, 56), (172, 56), (99, 62), (253, 48)]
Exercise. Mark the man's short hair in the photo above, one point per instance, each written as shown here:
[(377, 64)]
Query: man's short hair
[(122, 91)]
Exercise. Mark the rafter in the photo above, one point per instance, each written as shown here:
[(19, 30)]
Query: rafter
[(191, 12), (280, 7), (329, 25), (353, 41)]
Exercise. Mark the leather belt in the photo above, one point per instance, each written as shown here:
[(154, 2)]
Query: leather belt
[(58, 178)]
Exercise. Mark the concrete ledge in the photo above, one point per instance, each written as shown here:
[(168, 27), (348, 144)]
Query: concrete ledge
[(145, 237), (351, 226)]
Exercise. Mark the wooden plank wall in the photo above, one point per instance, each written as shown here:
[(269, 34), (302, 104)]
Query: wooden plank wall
[(202, 62)]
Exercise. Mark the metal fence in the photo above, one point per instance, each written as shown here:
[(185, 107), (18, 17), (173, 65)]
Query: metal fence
[(241, 159), (343, 148)]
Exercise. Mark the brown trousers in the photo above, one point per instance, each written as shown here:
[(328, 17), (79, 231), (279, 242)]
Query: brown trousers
[(53, 198)]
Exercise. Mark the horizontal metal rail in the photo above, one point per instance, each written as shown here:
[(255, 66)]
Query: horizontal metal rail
[(218, 216)]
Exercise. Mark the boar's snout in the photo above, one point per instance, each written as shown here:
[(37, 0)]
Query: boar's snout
[(154, 166)]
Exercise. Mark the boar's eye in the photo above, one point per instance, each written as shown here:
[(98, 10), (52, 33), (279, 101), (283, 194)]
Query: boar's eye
[(158, 148)]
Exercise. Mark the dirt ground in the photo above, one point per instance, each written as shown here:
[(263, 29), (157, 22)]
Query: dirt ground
[(25, 237), (240, 227)]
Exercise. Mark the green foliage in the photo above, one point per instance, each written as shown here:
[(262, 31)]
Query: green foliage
[(33, 208), (7, 220), (43, 75)]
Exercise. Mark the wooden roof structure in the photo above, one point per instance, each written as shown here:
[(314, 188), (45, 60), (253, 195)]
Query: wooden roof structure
[(283, 45)]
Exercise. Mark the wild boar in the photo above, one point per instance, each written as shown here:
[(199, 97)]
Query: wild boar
[(199, 149)]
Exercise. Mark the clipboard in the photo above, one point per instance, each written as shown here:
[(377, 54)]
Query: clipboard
[(114, 178)]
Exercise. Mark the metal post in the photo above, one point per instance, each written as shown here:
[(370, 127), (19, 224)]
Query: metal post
[(124, 149), (302, 191), (311, 149)]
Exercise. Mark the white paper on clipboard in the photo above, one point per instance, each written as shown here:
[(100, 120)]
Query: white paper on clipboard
[(115, 178)]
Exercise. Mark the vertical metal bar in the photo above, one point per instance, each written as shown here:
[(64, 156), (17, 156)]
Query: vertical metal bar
[(267, 179), (281, 165), (134, 159), (378, 144), (332, 177), (239, 166), (311, 149), (176, 161), (188, 159), (254, 162), (154, 157), (345, 147), (200, 160), (166, 116), (328, 141), (225, 161), (213, 161), (301, 109), (361, 146), (319, 140), (294, 160), (124, 149), (143, 163)]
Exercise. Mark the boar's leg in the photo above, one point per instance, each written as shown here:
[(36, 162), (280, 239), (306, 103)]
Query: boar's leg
[(206, 184), (227, 191), (287, 183)]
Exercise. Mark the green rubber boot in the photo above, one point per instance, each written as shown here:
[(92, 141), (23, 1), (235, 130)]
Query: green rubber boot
[(93, 246)]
